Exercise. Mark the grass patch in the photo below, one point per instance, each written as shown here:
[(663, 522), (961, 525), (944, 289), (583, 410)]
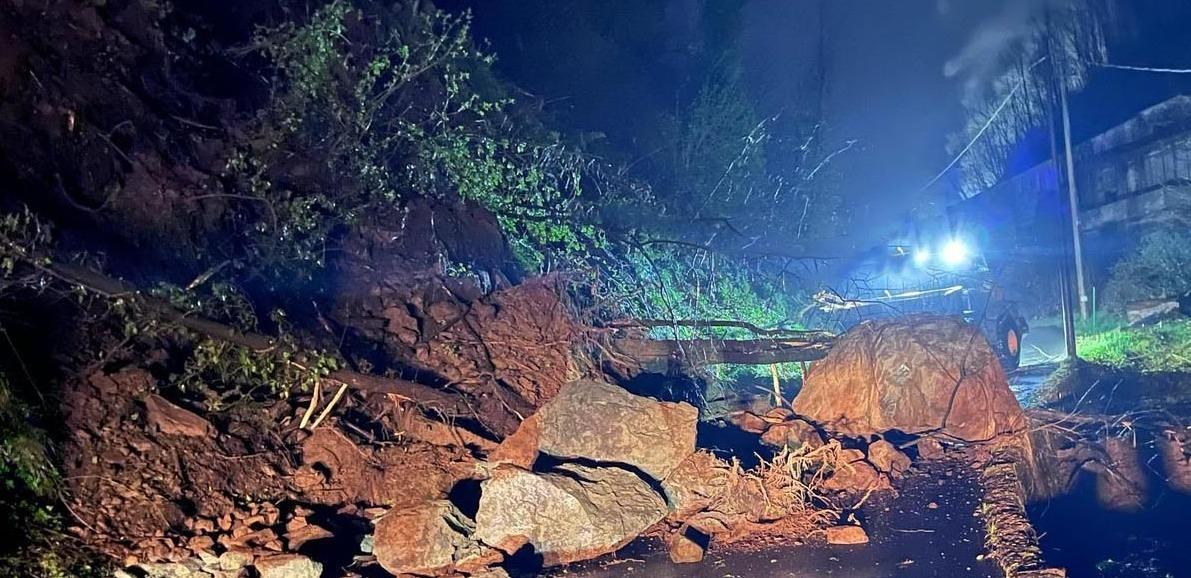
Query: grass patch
[(1165, 347)]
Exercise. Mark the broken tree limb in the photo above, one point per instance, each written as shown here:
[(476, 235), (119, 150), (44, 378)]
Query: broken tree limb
[(720, 351)]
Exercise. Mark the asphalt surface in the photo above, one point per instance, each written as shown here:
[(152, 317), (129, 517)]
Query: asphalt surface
[(909, 539)]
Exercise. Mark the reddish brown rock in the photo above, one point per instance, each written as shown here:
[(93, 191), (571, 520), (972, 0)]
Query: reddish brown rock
[(575, 513), (855, 474), (296, 538), (929, 448), (1123, 486), (794, 434), (887, 458), (599, 421), (748, 421), (918, 374), (521, 448), (428, 540), (846, 535), (1176, 460), (778, 415), (685, 549), (170, 419)]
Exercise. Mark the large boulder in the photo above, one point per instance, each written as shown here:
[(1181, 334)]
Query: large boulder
[(599, 421), (572, 513), (916, 374), (428, 540)]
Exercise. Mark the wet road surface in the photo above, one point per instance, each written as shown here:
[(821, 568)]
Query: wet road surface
[(909, 539)]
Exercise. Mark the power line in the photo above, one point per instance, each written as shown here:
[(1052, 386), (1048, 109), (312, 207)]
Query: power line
[(987, 125), (1142, 68)]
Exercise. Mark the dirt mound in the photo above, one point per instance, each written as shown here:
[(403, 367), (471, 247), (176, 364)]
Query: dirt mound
[(153, 483), (918, 375), (131, 479)]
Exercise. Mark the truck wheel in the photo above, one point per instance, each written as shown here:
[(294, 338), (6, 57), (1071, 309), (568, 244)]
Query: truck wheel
[(1009, 342)]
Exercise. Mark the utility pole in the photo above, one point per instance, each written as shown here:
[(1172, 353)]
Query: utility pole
[(1059, 88), (1073, 201)]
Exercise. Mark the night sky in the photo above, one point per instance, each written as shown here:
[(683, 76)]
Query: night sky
[(885, 66)]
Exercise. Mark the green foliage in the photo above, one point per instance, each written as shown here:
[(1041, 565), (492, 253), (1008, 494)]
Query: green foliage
[(667, 282), (22, 237), (29, 510), (387, 107), (228, 375), (23, 459), (1165, 347), (1160, 268)]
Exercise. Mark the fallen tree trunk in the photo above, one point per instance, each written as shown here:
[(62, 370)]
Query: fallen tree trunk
[(809, 335), (720, 351)]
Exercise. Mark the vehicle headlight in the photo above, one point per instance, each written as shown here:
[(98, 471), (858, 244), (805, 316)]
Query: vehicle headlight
[(955, 253)]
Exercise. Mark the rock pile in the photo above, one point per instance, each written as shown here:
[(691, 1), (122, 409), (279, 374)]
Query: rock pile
[(579, 478), (590, 471), (228, 565)]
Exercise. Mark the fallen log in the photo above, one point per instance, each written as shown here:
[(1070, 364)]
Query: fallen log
[(721, 351), (807, 334)]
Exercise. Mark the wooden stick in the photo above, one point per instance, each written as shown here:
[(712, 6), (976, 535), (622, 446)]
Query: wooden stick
[(330, 406)]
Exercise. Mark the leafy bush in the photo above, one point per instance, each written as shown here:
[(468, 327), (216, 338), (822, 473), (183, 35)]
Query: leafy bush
[(1160, 268)]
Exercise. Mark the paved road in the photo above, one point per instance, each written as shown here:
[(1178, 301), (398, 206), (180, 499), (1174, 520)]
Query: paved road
[(909, 540)]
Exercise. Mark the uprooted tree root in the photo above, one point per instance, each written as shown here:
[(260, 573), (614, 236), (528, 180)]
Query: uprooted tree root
[(791, 480), (777, 501)]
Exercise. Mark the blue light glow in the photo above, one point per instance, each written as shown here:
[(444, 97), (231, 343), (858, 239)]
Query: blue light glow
[(955, 253)]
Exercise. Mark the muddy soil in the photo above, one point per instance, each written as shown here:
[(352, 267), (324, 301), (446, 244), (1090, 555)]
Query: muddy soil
[(908, 538)]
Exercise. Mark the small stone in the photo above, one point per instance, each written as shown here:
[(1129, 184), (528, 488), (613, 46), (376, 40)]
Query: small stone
[(846, 535), (288, 566), (929, 449), (794, 434), (296, 539), (932, 506), (685, 549), (170, 419), (200, 543), (749, 422), (887, 458), (778, 415), (208, 559), (233, 560)]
